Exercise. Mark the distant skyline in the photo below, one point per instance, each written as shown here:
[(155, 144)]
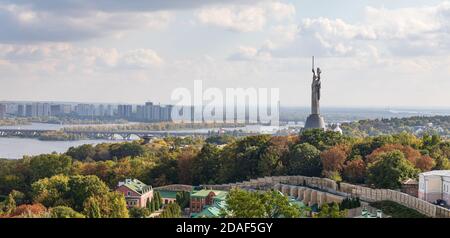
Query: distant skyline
[(372, 53)]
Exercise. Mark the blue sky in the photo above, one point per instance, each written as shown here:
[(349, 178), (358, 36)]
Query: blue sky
[(372, 53)]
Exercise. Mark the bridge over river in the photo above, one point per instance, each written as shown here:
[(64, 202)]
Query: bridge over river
[(102, 134)]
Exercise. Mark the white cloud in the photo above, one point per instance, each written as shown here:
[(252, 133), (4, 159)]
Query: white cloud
[(250, 54), (63, 57), (25, 24), (142, 58), (245, 18), (404, 32)]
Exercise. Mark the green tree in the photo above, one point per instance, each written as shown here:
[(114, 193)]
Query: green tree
[(390, 170), (276, 205), (64, 212), (205, 165), (171, 211), (108, 205), (270, 204), (52, 191), (158, 200), (126, 149), (138, 212), (82, 187), (92, 208), (321, 139), (82, 152), (304, 159), (331, 212), (9, 204), (183, 198), (243, 204), (45, 166)]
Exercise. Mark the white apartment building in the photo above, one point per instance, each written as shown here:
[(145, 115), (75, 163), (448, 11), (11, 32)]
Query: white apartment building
[(435, 185)]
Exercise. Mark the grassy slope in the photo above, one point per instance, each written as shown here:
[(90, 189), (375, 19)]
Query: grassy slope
[(396, 210)]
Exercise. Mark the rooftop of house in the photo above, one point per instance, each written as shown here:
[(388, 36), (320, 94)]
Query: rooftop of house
[(444, 173), (212, 211), (220, 195), (136, 185), (410, 182), (168, 194), (208, 212)]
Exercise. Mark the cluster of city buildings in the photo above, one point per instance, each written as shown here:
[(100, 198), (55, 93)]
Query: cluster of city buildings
[(149, 112)]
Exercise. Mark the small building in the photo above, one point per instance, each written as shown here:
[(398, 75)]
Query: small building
[(205, 197), (168, 196), (136, 192), (434, 186), (411, 187)]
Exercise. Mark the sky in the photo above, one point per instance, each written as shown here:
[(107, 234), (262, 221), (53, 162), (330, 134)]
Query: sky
[(383, 53)]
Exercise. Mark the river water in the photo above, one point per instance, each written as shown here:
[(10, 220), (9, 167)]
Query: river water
[(16, 148)]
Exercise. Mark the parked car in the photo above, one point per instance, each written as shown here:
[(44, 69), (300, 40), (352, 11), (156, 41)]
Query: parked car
[(441, 203)]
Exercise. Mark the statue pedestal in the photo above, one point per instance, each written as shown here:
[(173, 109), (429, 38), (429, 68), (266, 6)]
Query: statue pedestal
[(315, 121)]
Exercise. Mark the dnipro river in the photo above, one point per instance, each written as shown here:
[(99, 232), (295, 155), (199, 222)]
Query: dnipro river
[(16, 148)]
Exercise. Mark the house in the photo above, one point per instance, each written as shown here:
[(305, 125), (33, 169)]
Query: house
[(136, 192), (434, 186), (205, 197), (168, 196)]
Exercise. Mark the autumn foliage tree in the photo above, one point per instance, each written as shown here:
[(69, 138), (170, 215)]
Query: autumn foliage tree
[(355, 170), (333, 159)]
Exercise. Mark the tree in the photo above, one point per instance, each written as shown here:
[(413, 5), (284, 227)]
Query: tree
[(45, 166), (424, 163), (205, 165), (159, 201), (276, 205), (171, 211), (92, 208), (331, 212), (9, 204), (304, 159), (52, 191), (270, 204), (64, 212), (243, 204), (355, 170), (82, 152), (108, 205), (333, 159), (183, 198), (126, 149), (410, 153), (30, 210), (153, 206), (83, 187), (320, 139), (390, 170), (138, 212), (185, 162)]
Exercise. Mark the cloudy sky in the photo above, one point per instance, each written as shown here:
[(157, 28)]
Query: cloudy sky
[(382, 53)]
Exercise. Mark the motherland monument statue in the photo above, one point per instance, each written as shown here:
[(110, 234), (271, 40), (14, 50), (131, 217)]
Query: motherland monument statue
[(315, 120)]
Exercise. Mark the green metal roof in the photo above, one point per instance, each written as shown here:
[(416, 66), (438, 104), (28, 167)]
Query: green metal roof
[(209, 212), (136, 185), (168, 194), (204, 193)]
